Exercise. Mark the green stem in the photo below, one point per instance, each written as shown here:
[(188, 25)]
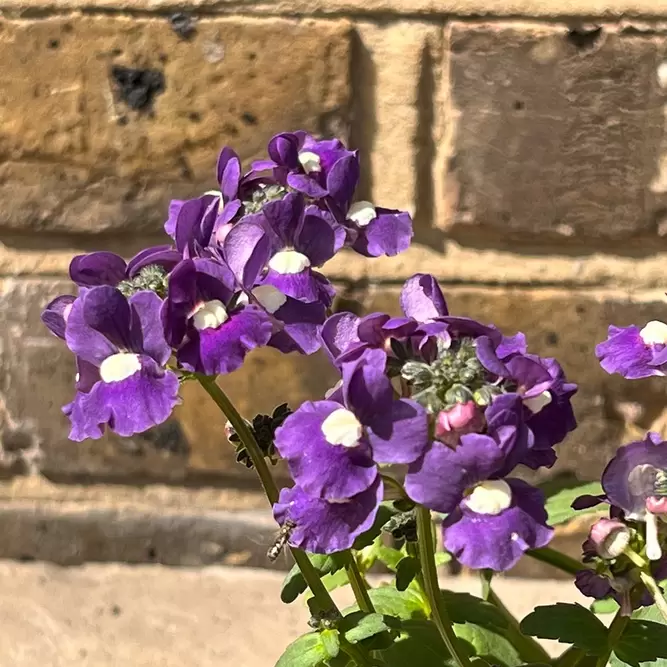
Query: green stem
[(357, 582), (656, 592), (356, 652), (556, 559), (528, 648), (615, 631), (413, 550), (317, 588), (570, 658), (432, 588)]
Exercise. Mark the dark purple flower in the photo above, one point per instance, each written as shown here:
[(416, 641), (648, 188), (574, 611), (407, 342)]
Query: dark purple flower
[(297, 238), (379, 231), (634, 353), (633, 478), (121, 353), (205, 320), (325, 526), (55, 315), (98, 268), (332, 447), (496, 524)]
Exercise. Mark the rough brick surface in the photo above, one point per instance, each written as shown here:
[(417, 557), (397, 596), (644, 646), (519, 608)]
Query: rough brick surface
[(555, 132), (81, 152)]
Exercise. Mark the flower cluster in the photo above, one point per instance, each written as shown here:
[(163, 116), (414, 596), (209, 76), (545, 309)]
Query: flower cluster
[(239, 273), (455, 401)]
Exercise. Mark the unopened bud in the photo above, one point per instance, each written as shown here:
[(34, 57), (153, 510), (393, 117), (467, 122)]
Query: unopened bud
[(609, 537), (229, 431), (657, 504), (456, 418)]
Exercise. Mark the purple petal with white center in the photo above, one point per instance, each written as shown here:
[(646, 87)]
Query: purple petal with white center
[(307, 285), (320, 237), (97, 268), (498, 541), (422, 299), (440, 478), (247, 249), (223, 349), (367, 389), (342, 180), (54, 316), (129, 406), (629, 478), (531, 377), (390, 233), (306, 185), (324, 470), (324, 527), (404, 435), (624, 352), (339, 334), (284, 218)]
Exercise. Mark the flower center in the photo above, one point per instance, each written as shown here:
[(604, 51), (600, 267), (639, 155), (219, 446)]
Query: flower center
[(362, 213), (654, 333), (209, 315), (641, 485), (119, 367), (492, 497), (310, 162), (289, 262), (653, 550), (341, 427), (269, 297), (536, 403), (261, 195)]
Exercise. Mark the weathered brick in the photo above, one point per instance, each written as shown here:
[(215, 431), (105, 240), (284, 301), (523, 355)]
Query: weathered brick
[(77, 158), (567, 325), (554, 133)]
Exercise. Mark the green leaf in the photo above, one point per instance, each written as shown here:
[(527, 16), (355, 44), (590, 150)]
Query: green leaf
[(466, 608), (306, 651), (488, 644), (358, 625), (406, 605), (644, 640), (384, 513), (442, 557), (419, 644), (408, 568), (389, 556), (295, 584), (331, 643), (604, 606), (568, 624), (559, 505)]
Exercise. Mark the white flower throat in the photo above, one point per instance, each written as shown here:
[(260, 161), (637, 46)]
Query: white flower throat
[(119, 367), (310, 162), (289, 262), (362, 212), (341, 427), (491, 497), (209, 315), (654, 333)]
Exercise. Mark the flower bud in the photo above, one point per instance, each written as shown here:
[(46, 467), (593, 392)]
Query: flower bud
[(609, 537), (462, 418), (657, 504)]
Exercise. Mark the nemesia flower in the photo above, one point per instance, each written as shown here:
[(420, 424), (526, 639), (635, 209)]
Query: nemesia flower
[(332, 447), (55, 314), (326, 526), (633, 352), (203, 318), (609, 538), (124, 383)]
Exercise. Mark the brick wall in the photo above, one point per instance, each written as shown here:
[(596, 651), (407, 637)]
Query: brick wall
[(529, 146)]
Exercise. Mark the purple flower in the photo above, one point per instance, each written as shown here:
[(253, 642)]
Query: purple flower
[(634, 353), (122, 353), (496, 524), (379, 231), (296, 238), (332, 447), (204, 319), (325, 526), (55, 315), (635, 480)]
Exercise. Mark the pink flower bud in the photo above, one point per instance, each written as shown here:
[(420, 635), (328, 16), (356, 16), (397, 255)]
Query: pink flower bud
[(609, 537), (455, 419), (657, 505)]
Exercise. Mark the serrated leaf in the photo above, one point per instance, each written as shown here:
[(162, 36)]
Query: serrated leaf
[(604, 606), (331, 643), (359, 625), (306, 651), (384, 513), (644, 640), (488, 644), (559, 505), (294, 583), (405, 605), (406, 571), (466, 608), (568, 624)]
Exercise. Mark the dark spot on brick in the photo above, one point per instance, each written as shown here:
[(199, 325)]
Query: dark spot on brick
[(116, 52), (17, 439), (584, 38), (68, 27), (249, 118), (579, 309), (137, 88), (168, 437), (194, 116), (519, 105), (151, 553), (53, 43), (231, 130), (505, 216), (183, 24), (252, 56), (163, 58), (551, 338), (26, 558), (122, 120), (116, 610)]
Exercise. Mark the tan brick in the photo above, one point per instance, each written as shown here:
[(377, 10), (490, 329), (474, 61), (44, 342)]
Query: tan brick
[(553, 136), (76, 158), (567, 325)]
